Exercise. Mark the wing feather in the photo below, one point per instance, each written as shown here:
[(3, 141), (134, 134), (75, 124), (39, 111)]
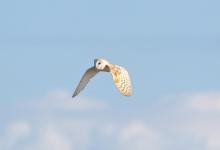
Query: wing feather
[(85, 79), (122, 80)]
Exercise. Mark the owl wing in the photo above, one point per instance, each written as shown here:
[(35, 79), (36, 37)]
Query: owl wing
[(85, 79), (121, 79)]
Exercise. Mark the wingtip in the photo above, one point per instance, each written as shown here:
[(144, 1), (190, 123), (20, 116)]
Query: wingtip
[(74, 95), (129, 95)]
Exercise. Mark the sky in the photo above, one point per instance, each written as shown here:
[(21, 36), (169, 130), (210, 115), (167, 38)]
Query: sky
[(170, 48)]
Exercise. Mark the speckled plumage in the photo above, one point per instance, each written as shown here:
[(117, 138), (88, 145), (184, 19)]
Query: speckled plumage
[(122, 80), (119, 74)]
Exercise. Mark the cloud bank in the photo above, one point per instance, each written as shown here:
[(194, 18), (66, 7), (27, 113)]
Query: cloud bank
[(56, 121)]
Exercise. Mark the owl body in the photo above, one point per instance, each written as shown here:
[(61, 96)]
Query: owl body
[(119, 74)]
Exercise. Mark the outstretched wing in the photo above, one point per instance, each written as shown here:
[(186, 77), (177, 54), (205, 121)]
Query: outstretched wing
[(122, 80), (85, 79)]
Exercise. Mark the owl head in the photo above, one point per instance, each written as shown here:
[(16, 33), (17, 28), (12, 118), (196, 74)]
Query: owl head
[(101, 64)]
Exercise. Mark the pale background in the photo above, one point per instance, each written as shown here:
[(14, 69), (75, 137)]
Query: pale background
[(171, 49)]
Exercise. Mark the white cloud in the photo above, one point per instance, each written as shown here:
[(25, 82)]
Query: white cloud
[(138, 136), (213, 142), (62, 100), (75, 132), (15, 132), (194, 119), (200, 101), (49, 138), (57, 121), (205, 101), (108, 129), (48, 125), (20, 129)]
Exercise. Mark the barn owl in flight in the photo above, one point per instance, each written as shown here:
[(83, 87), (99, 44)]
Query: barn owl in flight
[(119, 74)]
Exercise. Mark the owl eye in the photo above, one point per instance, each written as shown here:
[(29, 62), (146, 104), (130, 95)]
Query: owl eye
[(99, 63)]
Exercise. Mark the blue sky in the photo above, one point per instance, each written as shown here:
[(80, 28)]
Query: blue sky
[(171, 49)]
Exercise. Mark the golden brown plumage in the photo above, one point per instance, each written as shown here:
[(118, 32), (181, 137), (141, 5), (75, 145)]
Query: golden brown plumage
[(119, 74)]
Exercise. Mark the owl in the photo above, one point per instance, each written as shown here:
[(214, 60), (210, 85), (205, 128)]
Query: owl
[(119, 74)]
